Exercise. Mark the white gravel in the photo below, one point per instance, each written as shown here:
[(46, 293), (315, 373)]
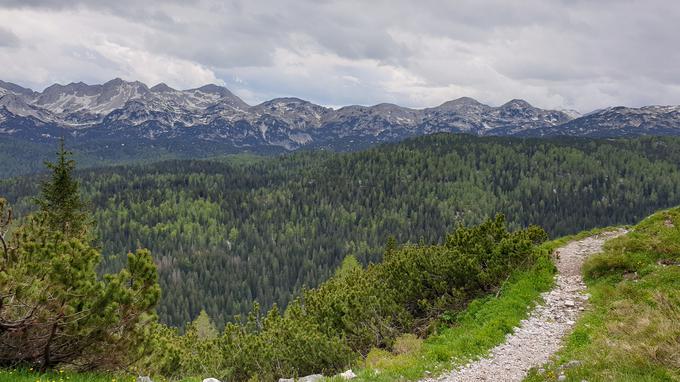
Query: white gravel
[(540, 335)]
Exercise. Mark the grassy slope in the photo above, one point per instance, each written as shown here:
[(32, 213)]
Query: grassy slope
[(632, 331), (480, 327), (33, 376), (483, 325)]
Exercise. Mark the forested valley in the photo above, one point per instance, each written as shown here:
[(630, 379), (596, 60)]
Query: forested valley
[(227, 232)]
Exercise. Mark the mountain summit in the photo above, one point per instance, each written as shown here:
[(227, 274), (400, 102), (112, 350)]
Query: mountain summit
[(123, 110)]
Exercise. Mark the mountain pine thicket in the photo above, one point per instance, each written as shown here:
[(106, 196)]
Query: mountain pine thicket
[(54, 307), (356, 311), (225, 234)]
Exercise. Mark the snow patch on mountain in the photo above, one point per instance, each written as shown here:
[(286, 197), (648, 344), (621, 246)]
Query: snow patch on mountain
[(212, 113)]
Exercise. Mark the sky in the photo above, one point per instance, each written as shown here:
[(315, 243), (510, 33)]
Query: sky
[(566, 54)]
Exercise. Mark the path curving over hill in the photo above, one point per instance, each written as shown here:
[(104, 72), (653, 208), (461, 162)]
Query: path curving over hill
[(540, 335)]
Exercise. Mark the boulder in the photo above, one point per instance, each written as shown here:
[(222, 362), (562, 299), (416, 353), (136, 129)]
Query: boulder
[(144, 379), (349, 374), (211, 380), (309, 378)]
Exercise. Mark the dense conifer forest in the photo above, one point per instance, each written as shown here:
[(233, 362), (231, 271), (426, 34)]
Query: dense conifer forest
[(225, 233)]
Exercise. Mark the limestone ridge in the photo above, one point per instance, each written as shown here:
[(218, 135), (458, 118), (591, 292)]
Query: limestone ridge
[(122, 110)]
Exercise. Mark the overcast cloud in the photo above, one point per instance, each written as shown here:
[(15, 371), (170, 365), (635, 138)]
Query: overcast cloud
[(559, 54)]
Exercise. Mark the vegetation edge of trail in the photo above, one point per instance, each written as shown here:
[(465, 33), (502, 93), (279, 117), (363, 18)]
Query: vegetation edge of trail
[(631, 332), (474, 331)]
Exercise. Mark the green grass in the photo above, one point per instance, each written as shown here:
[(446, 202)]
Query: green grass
[(483, 325), (30, 375), (632, 330)]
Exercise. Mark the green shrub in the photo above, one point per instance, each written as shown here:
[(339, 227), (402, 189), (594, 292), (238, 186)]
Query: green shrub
[(360, 311)]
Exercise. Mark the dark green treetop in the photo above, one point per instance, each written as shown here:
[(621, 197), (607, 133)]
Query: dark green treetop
[(60, 201)]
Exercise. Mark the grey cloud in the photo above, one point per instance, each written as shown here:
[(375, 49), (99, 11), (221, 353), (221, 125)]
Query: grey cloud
[(414, 53), (8, 38)]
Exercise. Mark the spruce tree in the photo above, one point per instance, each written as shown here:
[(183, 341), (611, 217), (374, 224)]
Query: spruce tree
[(60, 201)]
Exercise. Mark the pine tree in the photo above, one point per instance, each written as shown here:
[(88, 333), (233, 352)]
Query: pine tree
[(54, 307), (203, 326)]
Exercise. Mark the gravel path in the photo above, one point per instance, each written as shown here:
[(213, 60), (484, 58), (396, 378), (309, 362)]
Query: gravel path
[(540, 335)]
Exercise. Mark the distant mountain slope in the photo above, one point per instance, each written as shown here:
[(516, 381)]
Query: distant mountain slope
[(211, 120), (619, 122), (212, 112)]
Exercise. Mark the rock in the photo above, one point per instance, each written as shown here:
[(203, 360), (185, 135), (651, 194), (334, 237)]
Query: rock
[(349, 374), (309, 378), (569, 303), (211, 380), (562, 377), (144, 379)]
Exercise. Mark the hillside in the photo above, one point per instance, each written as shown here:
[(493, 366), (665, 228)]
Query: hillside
[(626, 330), (275, 225)]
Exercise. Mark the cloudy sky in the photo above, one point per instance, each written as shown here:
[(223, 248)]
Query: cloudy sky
[(573, 54)]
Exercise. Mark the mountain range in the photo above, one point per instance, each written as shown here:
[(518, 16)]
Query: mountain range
[(122, 111)]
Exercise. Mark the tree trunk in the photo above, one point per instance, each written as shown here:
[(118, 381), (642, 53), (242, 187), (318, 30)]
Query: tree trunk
[(46, 352)]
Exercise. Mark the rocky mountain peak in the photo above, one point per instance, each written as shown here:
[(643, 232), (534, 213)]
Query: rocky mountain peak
[(162, 88), (462, 101), (121, 109), (517, 104), (215, 89), (6, 87)]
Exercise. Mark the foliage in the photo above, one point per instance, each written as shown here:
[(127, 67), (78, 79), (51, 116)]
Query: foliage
[(329, 328), (631, 331), (60, 203), (54, 308), (227, 233), (467, 334)]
